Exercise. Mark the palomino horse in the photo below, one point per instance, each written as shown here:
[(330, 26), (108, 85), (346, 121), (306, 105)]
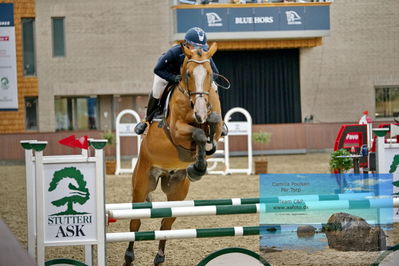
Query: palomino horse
[(176, 153)]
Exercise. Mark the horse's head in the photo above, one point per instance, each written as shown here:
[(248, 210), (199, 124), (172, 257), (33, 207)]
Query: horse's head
[(197, 77)]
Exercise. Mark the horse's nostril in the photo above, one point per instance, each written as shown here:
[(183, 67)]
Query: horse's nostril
[(199, 119)]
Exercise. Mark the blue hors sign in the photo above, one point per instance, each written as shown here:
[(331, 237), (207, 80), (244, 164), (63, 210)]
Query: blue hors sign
[(256, 22)]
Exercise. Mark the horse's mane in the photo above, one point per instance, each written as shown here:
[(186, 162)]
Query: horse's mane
[(199, 52)]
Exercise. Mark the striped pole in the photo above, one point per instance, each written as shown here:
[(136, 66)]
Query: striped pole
[(183, 233), (184, 211), (287, 206), (331, 204), (184, 203), (233, 201)]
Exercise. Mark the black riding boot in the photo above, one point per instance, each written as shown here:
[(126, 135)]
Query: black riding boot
[(151, 108)]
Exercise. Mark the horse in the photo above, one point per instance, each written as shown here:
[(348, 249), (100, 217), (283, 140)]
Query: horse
[(174, 150)]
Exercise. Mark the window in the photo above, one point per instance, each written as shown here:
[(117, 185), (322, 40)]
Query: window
[(31, 113), (58, 37), (387, 101), (28, 46), (76, 113)]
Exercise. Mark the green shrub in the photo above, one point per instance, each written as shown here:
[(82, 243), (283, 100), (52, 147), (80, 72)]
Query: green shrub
[(110, 137), (261, 137), (340, 164)]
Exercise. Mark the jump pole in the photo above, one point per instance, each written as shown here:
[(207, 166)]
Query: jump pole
[(232, 201), (183, 234), (254, 208)]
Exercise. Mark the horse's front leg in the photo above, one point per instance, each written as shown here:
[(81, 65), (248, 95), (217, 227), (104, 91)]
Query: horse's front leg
[(196, 170), (184, 135), (215, 122)]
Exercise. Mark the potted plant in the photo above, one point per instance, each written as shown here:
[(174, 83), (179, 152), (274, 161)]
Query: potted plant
[(110, 163), (339, 164), (263, 138)]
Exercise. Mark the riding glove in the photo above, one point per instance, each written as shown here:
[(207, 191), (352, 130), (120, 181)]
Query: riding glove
[(177, 78)]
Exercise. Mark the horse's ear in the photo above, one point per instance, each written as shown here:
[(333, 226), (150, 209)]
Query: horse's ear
[(186, 50), (212, 50)]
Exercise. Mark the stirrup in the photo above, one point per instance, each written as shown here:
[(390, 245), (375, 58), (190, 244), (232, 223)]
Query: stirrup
[(140, 128)]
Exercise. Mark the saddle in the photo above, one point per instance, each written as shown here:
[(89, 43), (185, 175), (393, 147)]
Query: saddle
[(162, 111), (160, 115)]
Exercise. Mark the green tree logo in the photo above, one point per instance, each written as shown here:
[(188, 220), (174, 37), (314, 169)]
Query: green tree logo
[(78, 194), (393, 168)]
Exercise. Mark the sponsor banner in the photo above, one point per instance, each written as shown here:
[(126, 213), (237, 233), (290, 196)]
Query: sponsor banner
[(353, 139), (238, 128), (6, 15), (8, 60), (329, 195), (292, 18), (292, 200), (127, 129), (288, 18), (70, 202)]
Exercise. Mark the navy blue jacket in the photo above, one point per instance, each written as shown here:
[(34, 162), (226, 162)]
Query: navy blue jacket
[(169, 63)]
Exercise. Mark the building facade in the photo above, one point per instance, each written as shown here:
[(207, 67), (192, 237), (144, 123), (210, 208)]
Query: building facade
[(21, 117), (95, 58)]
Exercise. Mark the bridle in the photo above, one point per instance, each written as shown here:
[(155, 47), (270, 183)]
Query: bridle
[(188, 93)]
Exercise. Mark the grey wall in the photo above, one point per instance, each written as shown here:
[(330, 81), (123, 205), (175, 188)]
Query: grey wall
[(338, 78), (111, 48)]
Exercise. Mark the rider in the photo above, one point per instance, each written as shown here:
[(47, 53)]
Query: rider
[(167, 70)]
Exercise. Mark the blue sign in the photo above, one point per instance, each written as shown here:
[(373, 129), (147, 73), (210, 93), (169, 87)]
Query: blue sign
[(277, 21), (292, 18), (215, 20), (266, 19), (318, 196), (6, 15)]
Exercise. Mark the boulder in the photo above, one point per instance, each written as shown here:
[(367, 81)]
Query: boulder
[(305, 231), (346, 232)]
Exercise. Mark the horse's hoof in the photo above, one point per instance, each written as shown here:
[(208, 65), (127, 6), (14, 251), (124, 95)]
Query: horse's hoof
[(199, 136), (212, 150), (129, 257), (159, 260), (214, 118), (194, 174)]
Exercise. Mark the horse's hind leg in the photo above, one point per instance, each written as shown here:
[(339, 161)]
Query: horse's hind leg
[(176, 188), (143, 183)]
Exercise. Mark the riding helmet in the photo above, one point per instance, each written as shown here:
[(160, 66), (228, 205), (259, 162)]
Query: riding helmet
[(197, 38)]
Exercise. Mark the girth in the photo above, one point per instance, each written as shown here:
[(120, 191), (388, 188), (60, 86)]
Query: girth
[(185, 155)]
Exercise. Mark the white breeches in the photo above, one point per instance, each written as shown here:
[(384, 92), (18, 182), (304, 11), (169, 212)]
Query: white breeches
[(158, 86)]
